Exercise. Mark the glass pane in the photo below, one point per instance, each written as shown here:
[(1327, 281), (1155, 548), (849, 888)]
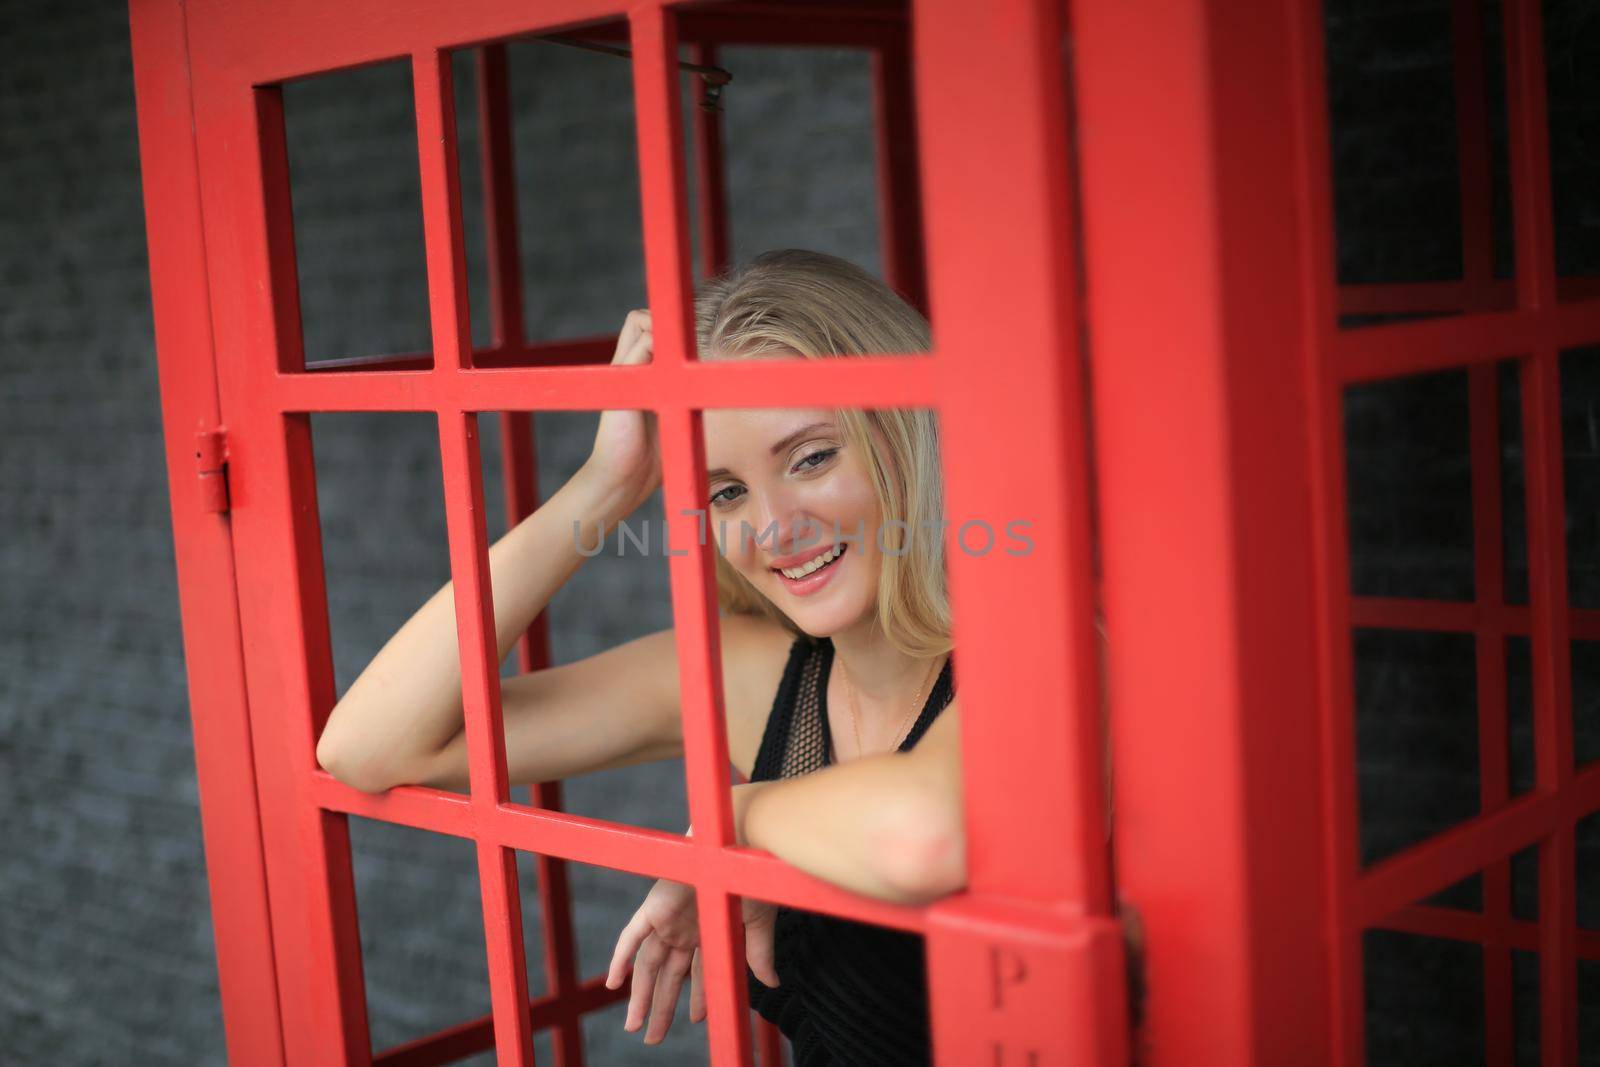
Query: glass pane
[(422, 936), (1424, 1000), (357, 194), (1409, 471), (1571, 44), (1417, 127), (1416, 736)]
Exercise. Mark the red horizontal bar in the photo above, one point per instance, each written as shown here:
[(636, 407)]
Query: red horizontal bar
[(1444, 616), (1459, 924), (1460, 616), (1397, 882), (1489, 294), (477, 1035), (651, 853), (267, 43), (1422, 297), (1444, 859), (796, 24), (774, 25), (419, 807), (1454, 924), (618, 846), (1396, 349), (877, 381), (834, 25), (575, 352)]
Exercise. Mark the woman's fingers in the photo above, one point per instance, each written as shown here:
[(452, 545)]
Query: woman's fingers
[(628, 943), (697, 991), (668, 984), (651, 956), (638, 351), (664, 953), (634, 327), (758, 952)]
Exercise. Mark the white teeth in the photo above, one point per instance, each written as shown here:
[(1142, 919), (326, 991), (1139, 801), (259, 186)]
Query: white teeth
[(806, 568)]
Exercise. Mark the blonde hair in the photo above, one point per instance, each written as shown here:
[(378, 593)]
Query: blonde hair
[(793, 302)]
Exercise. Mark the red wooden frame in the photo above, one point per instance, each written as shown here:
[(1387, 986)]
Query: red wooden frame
[(1035, 931), (1253, 365), (1189, 133)]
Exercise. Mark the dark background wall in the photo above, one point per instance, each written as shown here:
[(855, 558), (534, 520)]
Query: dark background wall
[(105, 937)]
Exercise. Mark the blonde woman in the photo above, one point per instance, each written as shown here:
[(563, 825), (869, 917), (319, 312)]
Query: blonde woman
[(837, 671)]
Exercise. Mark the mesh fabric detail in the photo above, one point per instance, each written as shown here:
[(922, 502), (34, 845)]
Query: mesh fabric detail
[(849, 993)]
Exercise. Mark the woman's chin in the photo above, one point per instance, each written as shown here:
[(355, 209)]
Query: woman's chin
[(825, 620), (835, 607)]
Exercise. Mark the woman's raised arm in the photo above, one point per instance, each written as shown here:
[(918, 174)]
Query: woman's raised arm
[(406, 705)]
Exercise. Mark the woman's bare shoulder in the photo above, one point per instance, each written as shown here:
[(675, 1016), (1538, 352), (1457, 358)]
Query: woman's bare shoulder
[(755, 652)]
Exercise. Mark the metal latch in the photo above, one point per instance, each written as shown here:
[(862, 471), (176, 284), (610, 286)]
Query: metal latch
[(210, 459)]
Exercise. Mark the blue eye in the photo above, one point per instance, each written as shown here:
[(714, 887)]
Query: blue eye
[(808, 463), (822, 455)]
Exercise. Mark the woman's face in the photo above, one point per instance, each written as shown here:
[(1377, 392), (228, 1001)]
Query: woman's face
[(785, 487)]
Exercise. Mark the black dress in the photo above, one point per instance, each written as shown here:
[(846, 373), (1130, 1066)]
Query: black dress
[(850, 994)]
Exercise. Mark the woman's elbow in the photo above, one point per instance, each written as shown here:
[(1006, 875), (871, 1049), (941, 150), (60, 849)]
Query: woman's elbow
[(928, 858), (351, 768)]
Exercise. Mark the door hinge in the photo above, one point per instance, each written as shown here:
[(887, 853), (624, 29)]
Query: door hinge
[(211, 468)]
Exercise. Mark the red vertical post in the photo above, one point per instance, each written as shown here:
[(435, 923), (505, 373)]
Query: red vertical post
[(520, 475), (1027, 964), (1546, 503), (1198, 329), (1330, 545), (249, 234), (705, 741), (225, 766), (278, 569), (469, 560)]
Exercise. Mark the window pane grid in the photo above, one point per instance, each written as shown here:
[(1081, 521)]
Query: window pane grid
[(1519, 319), (455, 382)]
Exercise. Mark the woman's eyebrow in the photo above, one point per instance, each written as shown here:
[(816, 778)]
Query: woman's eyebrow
[(780, 445)]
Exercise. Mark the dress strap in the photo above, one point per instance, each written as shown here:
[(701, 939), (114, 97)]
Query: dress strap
[(939, 698), (770, 757)]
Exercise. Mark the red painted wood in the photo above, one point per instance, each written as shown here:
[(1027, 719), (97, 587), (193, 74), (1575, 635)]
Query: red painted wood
[(1024, 209), (519, 472), (1199, 315), (225, 763)]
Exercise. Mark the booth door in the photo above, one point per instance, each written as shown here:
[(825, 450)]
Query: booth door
[(1026, 965)]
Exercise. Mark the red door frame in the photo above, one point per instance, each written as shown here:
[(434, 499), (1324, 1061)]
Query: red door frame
[(1197, 320), (1201, 144), (195, 447), (1203, 138), (1033, 937)]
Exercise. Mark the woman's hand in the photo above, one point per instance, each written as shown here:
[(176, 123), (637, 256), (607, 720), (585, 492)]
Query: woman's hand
[(665, 932), (626, 457)]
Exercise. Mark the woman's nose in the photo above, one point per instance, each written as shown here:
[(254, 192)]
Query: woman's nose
[(784, 527)]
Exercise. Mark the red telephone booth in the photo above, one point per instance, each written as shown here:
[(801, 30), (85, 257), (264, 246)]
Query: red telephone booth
[(1118, 208)]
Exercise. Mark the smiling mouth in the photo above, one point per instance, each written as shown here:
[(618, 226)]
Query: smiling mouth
[(841, 550)]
